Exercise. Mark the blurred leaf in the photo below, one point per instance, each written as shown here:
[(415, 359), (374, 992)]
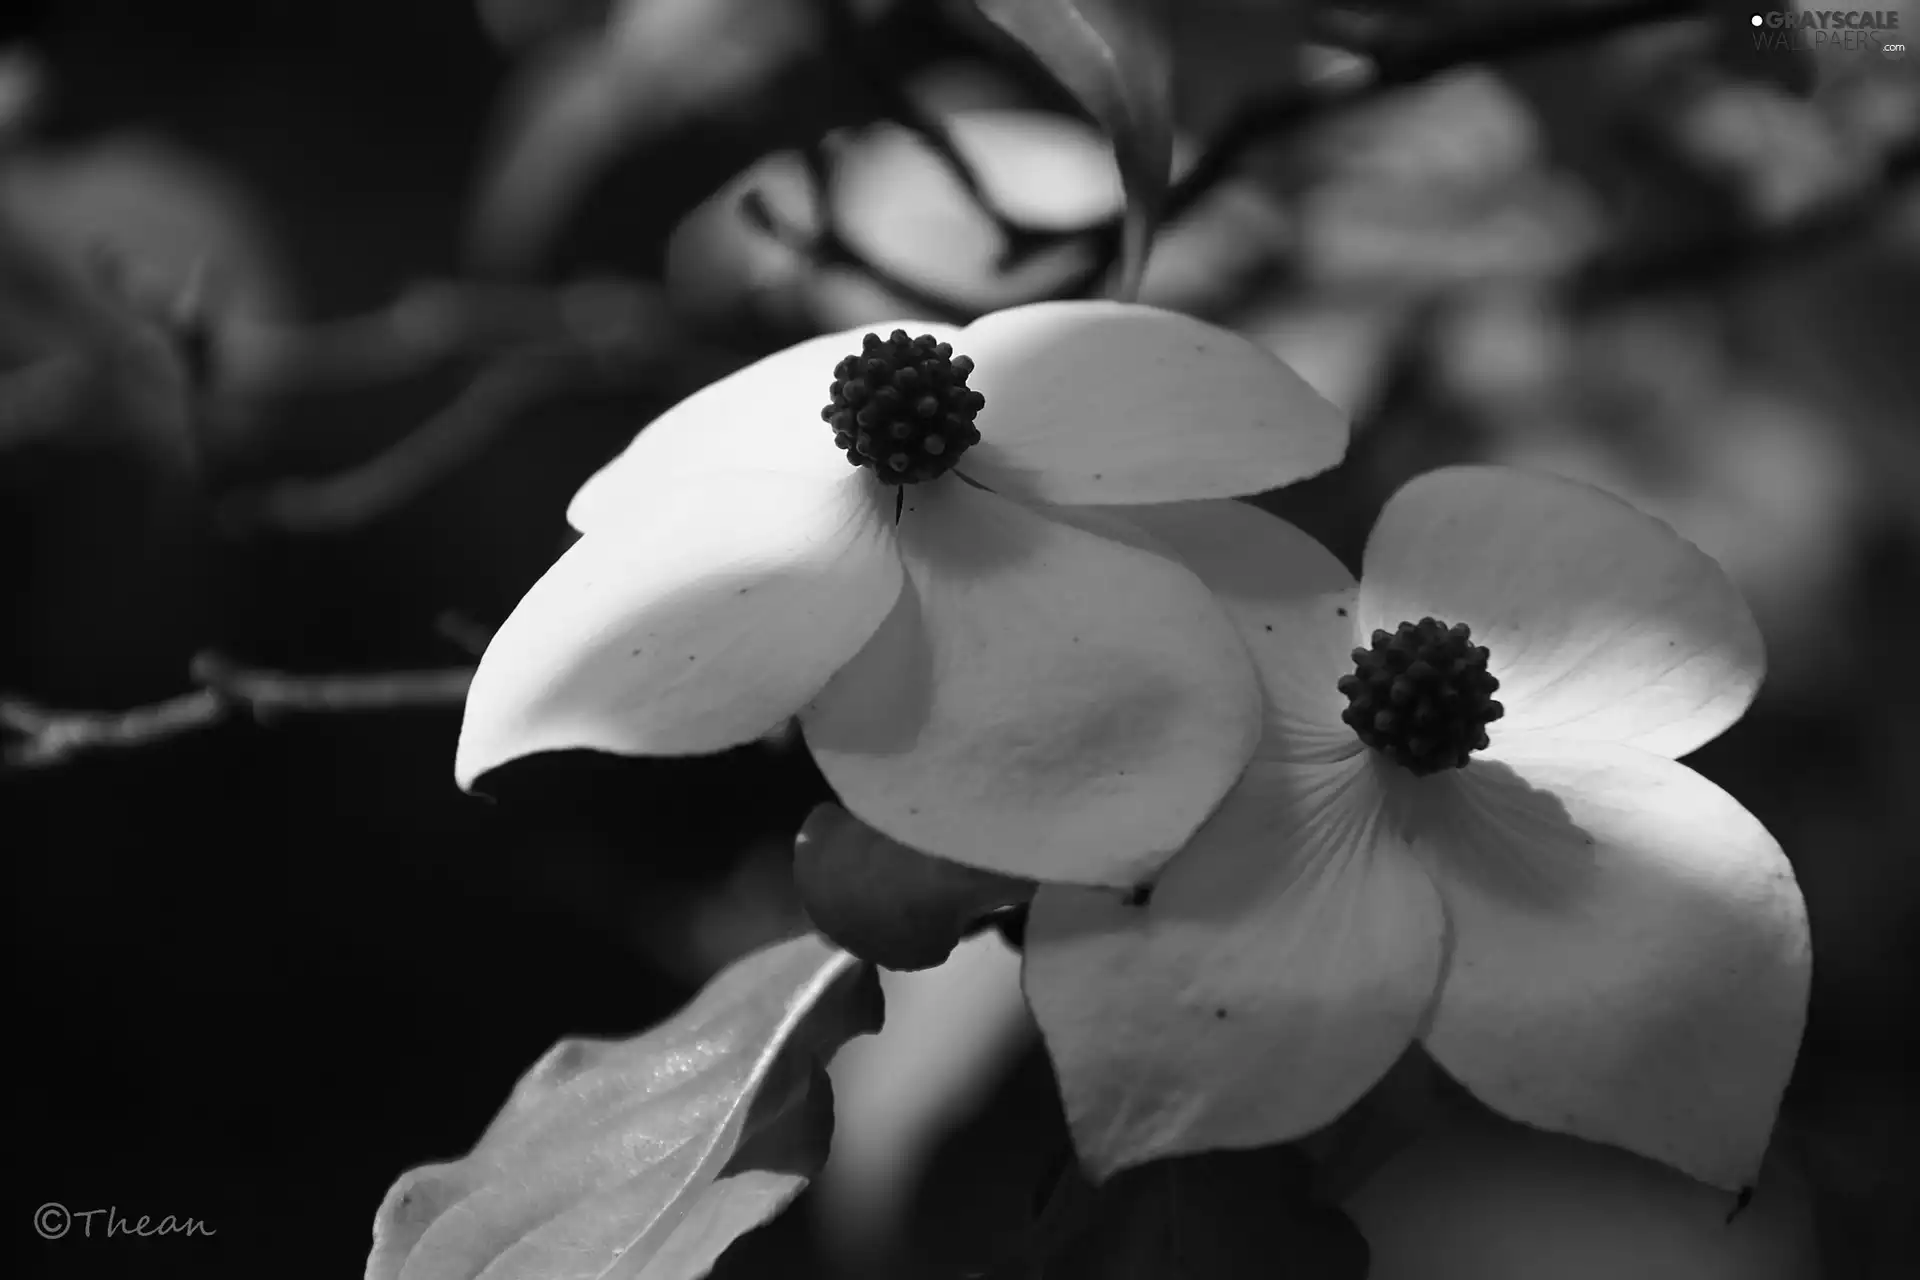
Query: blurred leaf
[(1782, 157), (1229, 54), (80, 365), (1344, 343), (1114, 58), (582, 101), (644, 1159), (718, 264), (902, 208), (174, 218), (22, 90), (955, 1037), (1440, 184), (885, 902), (1224, 1215), (104, 583), (515, 22)]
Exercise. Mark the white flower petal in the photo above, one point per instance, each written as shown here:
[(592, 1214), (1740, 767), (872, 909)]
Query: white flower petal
[(765, 417), (1294, 603), (1630, 957), (693, 625), (1091, 402), (1282, 964), (1602, 623), (1043, 701)]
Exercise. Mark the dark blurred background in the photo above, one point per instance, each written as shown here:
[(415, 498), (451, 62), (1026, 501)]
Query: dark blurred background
[(312, 316)]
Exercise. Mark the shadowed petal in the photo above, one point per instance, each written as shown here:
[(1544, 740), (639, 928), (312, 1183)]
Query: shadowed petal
[(1091, 402), (1294, 604), (1602, 623), (1630, 958), (693, 625), (765, 417), (1043, 701), (1281, 965)]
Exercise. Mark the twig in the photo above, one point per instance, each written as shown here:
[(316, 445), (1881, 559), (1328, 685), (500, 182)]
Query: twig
[(827, 246), (1400, 62), (536, 343), (1394, 63), (51, 737), (434, 321), (875, 66), (497, 395), (535, 338)]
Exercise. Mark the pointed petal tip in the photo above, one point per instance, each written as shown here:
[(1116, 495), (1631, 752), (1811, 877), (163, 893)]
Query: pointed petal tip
[(689, 627), (470, 764), (1643, 981)]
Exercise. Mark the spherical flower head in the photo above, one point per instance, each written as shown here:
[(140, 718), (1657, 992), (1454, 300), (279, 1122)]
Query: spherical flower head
[(1582, 931), (902, 407), (988, 660), (1421, 695)]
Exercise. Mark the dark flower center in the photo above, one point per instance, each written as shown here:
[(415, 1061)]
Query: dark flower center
[(1421, 696), (903, 408)]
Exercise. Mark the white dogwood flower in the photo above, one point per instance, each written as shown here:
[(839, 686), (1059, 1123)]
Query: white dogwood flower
[(979, 671), (1588, 935)]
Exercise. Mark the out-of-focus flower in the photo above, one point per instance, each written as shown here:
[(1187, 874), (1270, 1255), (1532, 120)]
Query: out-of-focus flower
[(1588, 935), (981, 671)]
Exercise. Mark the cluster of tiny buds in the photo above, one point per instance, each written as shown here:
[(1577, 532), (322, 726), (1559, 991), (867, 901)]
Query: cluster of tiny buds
[(902, 406), (1422, 695)]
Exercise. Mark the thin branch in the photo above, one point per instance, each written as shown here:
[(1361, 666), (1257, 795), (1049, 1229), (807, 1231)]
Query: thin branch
[(495, 398), (1401, 62), (1391, 63), (826, 245), (536, 343), (876, 67), (434, 321), (45, 737)]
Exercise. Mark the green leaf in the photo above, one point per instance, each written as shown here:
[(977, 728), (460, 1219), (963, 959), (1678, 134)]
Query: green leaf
[(1114, 58), (1224, 1215), (886, 902), (643, 1159)]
